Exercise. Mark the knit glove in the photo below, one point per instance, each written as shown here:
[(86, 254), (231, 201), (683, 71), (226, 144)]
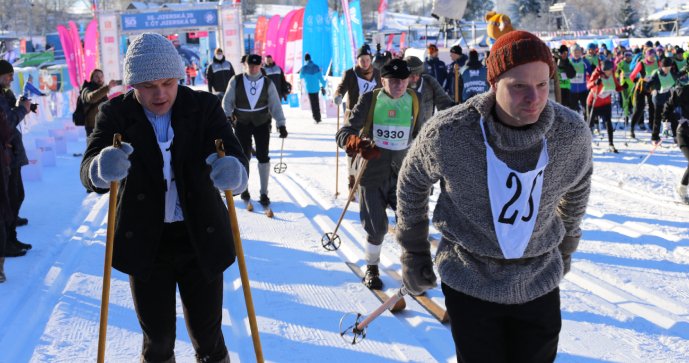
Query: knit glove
[(417, 272), (111, 164), (338, 100), (227, 173), (283, 132), (567, 248)]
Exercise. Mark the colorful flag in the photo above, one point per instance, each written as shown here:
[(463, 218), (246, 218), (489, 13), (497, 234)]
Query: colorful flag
[(293, 48), (272, 36), (91, 48), (260, 38), (317, 33), (382, 8), (70, 58)]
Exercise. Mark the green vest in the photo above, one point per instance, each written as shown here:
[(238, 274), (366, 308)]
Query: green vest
[(680, 64), (667, 81), (593, 59), (608, 87), (565, 83), (392, 122), (580, 68), (649, 69)]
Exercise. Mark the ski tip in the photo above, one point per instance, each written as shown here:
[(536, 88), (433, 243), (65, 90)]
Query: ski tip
[(269, 213), (249, 207)]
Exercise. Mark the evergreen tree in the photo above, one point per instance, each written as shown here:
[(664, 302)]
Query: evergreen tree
[(526, 8), (628, 15), (476, 10)]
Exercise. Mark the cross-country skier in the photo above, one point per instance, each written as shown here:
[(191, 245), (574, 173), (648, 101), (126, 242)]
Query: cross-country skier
[(387, 117), (603, 85), (172, 229), (355, 82), (251, 101), (432, 94), (680, 98), (622, 71), (641, 74), (567, 72), (579, 92), (662, 81), (515, 172)]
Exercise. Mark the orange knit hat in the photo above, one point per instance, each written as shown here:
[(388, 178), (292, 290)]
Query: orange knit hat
[(514, 49)]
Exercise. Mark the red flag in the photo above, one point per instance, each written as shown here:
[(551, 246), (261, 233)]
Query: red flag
[(381, 13)]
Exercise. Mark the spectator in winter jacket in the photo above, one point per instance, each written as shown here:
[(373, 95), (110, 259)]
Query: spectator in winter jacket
[(313, 79), (5, 210), (592, 54), (381, 128), (93, 93), (603, 85), (474, 77), (172, 229), (515, 170), (662, 81), (567, 73), (641, 96), (276, 75), (432, 94), (579, 91), (219, 73), (15, 184), (458, 62), (434, 66)]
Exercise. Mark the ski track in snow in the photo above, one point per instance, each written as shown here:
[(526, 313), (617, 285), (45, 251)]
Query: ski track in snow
[(625, 300)]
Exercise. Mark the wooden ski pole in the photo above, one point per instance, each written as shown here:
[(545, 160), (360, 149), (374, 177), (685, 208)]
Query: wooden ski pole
[(234, 225), (337, 157), (107, 268)]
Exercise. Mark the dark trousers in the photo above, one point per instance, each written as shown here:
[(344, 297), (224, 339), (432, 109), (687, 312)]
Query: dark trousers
[(659, 101), (605, 114), (15, 193), (373, 203), (683, 143), (639, 105), (566, 96), (488, 332), (261, 134), (577, 99), (154, 301), (315, 106)]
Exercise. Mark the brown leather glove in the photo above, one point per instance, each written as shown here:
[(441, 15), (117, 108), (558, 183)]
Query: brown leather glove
[(352, 145), (368, 150)]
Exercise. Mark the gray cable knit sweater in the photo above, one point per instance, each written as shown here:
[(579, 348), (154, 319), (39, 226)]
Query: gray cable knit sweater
[(450, 148)]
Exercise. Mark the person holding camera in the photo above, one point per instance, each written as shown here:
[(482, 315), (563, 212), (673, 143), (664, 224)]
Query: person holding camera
[(93, 93), (313, 79), (15, 185)]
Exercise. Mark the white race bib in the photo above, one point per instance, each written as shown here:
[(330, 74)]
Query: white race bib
[(364, 85), (514, 199), (391, 137)]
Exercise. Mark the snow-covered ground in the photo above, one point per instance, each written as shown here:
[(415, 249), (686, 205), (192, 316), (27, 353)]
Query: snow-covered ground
[(626, 299)]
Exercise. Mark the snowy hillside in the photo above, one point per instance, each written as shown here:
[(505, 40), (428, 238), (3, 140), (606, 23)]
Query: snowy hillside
[(626, 299)]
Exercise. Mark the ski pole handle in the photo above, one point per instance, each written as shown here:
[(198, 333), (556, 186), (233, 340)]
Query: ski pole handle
[(381, 309)]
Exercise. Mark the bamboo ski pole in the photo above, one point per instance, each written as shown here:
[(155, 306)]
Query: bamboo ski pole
[(457, 83), (107, 268), (234, 225), (355, 332)]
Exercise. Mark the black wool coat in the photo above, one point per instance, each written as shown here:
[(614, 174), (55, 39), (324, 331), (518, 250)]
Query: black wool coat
[(197, 120)]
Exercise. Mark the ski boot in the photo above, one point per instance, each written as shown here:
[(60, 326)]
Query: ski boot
[(611, 148), (265, 201), (682, 193), (372, 278), (245, 195)]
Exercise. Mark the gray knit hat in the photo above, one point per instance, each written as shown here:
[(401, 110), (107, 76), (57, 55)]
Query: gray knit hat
[(151, 57), (415, 64)]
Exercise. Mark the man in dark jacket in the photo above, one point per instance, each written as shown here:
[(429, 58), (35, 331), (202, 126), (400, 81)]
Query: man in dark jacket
[(219, 73), (434, 66), (458, 61), (388, 118), (276, 75), (172, 229), (93, 93), (474, 78), (432, 94), (15, 185)]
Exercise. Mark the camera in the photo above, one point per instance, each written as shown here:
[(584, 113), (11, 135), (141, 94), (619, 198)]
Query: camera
[(33, 107)]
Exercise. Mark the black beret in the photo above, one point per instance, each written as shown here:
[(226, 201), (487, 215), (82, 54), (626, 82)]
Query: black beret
[(395, 68), (254, 59)]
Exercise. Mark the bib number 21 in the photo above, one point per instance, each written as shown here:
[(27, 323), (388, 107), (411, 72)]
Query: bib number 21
[(517, 194)]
